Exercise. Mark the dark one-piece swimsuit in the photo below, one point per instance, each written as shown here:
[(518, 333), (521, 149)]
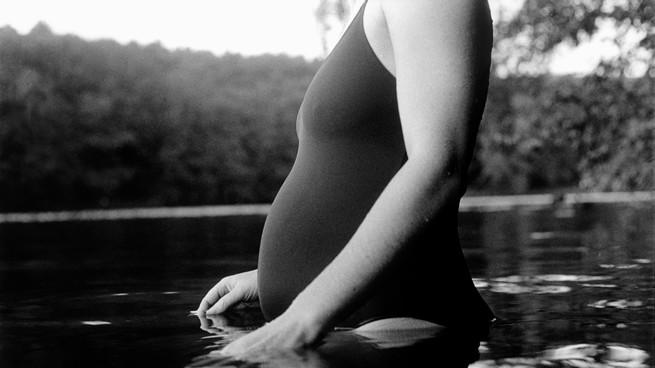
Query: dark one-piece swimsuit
[(350, 146)]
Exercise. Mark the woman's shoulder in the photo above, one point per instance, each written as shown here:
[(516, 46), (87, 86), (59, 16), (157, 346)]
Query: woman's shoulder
[(428, 3), (441, 18), (434, 36), (450, 8)]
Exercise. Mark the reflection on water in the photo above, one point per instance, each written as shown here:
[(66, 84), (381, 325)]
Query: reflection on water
[(95, 323), (572, 287), (538, 284), (576, 356), (619, 304), (346, 348)]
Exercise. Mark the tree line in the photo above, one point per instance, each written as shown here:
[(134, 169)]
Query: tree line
[(99, 124)]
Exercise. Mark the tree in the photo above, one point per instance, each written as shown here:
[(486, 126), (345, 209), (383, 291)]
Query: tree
[(614, 120), (526, 41), (331, 16), (87, 124)]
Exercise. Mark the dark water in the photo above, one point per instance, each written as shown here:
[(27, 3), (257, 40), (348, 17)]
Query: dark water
[(573, 287)]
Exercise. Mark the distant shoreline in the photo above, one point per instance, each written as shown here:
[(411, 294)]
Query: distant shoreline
[(467, 204)]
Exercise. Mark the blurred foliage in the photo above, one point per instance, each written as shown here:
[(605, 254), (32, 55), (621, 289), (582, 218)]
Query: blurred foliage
[(544, 132), (87, 124), (99, 124), (331, 14), (595, 131), (526, 41)]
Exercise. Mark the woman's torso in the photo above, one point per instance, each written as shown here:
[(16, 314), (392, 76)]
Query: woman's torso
[(350, 146)]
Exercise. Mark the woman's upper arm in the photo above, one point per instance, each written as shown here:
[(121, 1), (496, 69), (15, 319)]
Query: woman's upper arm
[(442, 55)]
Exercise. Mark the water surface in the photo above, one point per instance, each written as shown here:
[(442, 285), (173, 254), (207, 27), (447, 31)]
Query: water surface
[(572, 286)]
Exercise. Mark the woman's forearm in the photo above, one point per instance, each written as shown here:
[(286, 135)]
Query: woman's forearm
[(416, 195)]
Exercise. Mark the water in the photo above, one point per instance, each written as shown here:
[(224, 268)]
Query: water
[(572, 285)]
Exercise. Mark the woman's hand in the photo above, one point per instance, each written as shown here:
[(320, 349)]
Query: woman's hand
[(229, 292), (291, 331)]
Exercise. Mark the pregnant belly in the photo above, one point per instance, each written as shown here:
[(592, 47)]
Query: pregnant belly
[(321, 204)]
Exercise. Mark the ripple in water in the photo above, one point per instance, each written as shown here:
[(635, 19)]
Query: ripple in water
[(95, 323), (552, 278), (518, 284), (578, 356), (510, 288), (346, 347), (617, 304)]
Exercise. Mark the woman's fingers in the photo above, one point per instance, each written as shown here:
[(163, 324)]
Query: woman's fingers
[(229, 291), (226, 301), (213, 296)]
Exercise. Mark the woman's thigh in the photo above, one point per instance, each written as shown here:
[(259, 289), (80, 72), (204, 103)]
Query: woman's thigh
[(398, 323)]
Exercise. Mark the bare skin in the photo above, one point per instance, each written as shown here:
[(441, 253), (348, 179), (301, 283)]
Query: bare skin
[(229, 292), (438, 50)]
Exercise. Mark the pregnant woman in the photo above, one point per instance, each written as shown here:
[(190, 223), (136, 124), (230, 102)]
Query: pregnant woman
[(363, 233)]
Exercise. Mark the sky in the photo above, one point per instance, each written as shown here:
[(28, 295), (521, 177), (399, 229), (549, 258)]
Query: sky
[(245, 26), (248, 27)]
